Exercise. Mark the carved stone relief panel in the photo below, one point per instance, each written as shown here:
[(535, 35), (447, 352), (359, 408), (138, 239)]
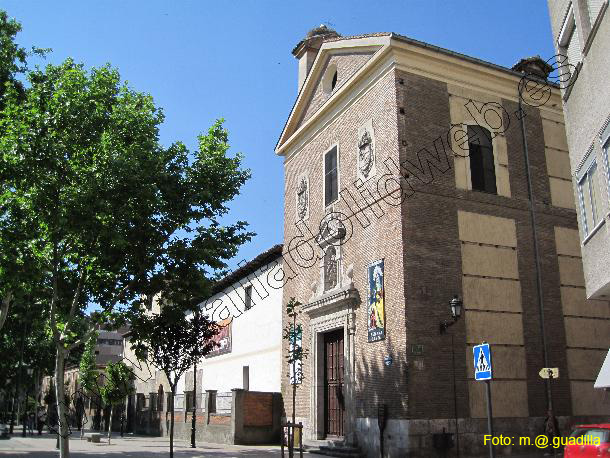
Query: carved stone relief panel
[(366, 151), (302, 197)]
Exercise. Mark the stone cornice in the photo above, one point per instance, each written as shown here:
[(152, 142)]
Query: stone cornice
[(342, 299)]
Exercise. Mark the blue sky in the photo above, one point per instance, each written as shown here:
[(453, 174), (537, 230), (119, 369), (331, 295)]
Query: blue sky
[(202, 60)]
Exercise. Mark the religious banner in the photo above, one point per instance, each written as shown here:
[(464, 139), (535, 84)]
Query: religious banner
[(223, 339), (375, 302)]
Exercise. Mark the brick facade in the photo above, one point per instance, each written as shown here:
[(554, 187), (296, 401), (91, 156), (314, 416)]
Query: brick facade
[(422, 246)]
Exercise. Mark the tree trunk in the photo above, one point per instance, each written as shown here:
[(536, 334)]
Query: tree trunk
[(110, 423), (171, 427), (82, 423), (6, 301), (62, 411)]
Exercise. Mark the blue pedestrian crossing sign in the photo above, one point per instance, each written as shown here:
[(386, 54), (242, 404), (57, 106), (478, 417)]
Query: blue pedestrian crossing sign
[(482, 362)]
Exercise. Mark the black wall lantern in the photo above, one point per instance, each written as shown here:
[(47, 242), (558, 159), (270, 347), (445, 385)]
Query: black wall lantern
[(443, 440), (456, 311)]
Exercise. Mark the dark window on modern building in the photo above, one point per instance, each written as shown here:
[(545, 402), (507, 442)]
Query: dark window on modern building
[(154, 405), (109, 342), (190, 396), (330, 177), (248, 297), (482, 167)]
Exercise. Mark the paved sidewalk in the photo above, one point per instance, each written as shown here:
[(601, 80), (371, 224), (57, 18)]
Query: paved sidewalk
[(130, 447), (147, 447)]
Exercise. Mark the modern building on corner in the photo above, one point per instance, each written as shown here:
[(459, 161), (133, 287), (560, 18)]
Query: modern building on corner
[(581, 33), (414, 174)]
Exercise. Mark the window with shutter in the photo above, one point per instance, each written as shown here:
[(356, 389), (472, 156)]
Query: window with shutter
[(594, 6), (588, 195), (606, 151), (573, 48)]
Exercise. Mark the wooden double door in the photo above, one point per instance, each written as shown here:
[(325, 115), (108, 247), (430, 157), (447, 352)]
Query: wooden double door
[(334, 399)]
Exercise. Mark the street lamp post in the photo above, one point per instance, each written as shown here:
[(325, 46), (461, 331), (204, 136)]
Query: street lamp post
[(194, 417), (24, 415), (36, 395), (26, 418), (8, 384), (455, 305)]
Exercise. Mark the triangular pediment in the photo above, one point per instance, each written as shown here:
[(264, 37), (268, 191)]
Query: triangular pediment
[(344, 58)]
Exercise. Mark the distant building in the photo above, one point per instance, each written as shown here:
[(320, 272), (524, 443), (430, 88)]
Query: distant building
[(406, 184), (241, 377), (108, 349), (249, 355), (581, 32)]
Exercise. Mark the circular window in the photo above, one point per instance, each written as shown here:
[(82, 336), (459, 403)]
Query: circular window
[(329, 82)]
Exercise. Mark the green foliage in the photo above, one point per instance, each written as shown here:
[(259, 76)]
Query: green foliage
[(25, 322), (171, 340), (118, 383), (293, 333), (17, 266), (88, 374), (93, 209), (109, 212), (13, 58)]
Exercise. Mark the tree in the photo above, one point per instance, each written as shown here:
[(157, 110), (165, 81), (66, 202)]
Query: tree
[(293, 333), (173, 343), (14, 256), (112, 211), (25, 342), (118, 383), (88, 374)]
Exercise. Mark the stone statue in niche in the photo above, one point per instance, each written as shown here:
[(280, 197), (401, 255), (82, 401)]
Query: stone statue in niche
[(366, 154), (330, 268), (302, 198)]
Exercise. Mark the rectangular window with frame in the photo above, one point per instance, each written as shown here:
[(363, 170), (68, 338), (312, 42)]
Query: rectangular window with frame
[(331, 177), (248, 297), (588, 196), (482, 164)]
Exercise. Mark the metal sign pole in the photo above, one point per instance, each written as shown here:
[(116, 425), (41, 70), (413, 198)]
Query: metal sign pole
[(550, 390), (490, 427)]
